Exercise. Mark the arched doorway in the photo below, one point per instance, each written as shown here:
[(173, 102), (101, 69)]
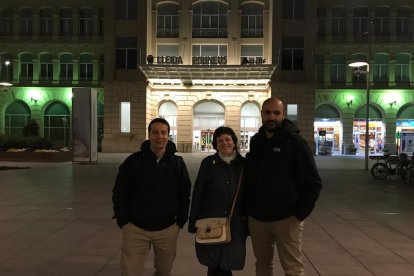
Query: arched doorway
[(16, 117), (376, 130), (249, 123), (207, 117), (405, 129), (168, 111), (327, 129), (57, 124)]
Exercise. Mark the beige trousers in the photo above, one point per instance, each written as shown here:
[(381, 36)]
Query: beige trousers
[(287, 235), (136, 243)]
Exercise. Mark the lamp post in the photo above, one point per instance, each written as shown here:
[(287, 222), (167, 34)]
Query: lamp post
[(65, 122), (361, 64), (357, 65), (6, 82)]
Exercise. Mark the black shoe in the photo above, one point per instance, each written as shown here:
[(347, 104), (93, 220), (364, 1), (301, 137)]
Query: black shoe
[(225, 273), (213, 272)]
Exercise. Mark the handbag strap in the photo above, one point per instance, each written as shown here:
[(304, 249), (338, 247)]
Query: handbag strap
[(235, 195)]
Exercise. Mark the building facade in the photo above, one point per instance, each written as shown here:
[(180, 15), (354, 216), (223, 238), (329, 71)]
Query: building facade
[(379, 33), (202, 64), (46, 49)]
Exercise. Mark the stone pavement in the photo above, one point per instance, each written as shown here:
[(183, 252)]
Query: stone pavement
[(55, 219)]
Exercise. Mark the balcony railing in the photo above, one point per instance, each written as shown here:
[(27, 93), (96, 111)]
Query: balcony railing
[(165, 33), (209, 32), (251, 32)]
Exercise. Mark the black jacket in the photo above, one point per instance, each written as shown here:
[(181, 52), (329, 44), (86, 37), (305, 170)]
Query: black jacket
[(212, 197), (214, 189), (282, 178), (149, 194)]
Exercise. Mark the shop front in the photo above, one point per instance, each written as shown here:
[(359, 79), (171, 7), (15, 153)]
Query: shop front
[(327, 130), (196, 99), (405, 129), (376, 130)]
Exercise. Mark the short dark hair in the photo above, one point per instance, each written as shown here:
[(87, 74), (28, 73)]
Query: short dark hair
[(161, 121), (224, 130)]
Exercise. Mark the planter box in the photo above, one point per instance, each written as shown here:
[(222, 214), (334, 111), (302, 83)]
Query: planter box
[(37, 156)]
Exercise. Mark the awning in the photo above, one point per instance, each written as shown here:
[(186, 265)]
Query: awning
[(208, 74)]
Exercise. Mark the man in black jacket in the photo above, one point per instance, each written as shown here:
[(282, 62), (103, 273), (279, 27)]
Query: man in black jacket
[(283, 185), (151, 202)]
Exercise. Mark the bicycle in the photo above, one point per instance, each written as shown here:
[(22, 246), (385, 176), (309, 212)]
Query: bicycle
[(386, 165), (407, 174)]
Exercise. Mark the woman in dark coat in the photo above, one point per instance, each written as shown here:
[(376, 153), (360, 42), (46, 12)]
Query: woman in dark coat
[(213, 195)]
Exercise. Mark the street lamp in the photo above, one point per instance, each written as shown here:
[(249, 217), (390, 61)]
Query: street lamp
[(6, 82), (357, 65)]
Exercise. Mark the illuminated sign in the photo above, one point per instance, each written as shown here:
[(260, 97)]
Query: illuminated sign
[(164, 59), (222, 60), (209, 60)]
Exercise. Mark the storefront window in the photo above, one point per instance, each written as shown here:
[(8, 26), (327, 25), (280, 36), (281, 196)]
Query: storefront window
[(207, 117), (249, 123), (405, 129), (168, 111), (376, 130), (327, 130)]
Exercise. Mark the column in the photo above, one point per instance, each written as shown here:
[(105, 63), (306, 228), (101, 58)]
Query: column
[(36, 71), (327, 72), (95, 25), (56, 71), (393, 26), (75, 24), (267, 37), (348, 126), (36, 25), (349, 27), (328, 25), (184, 125), (16, 70), (185, 35), (55, 26), (16, 25), (390, 130), (75, 79), (95, 71), (391, 71)]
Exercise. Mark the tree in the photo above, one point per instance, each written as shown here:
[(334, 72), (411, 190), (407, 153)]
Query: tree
[(31, 129)]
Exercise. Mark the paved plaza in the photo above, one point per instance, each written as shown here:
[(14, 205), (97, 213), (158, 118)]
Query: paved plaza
[(55, 219)]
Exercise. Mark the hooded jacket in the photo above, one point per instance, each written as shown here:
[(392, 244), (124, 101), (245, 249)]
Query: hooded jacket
[(282, 178), (152, 195)]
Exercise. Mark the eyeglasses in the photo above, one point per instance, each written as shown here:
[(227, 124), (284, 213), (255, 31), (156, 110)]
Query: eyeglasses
[(226, 140)]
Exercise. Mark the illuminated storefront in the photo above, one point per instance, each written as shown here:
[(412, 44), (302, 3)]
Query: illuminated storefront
[(376, 136), (405, 135), (327, 130), (206, 95), (376, 130), (405, 129)]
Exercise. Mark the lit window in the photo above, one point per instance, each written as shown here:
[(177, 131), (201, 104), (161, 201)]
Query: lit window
[(292, 112), (252, 20), (210, 19), (167, 20), (125, 117)]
